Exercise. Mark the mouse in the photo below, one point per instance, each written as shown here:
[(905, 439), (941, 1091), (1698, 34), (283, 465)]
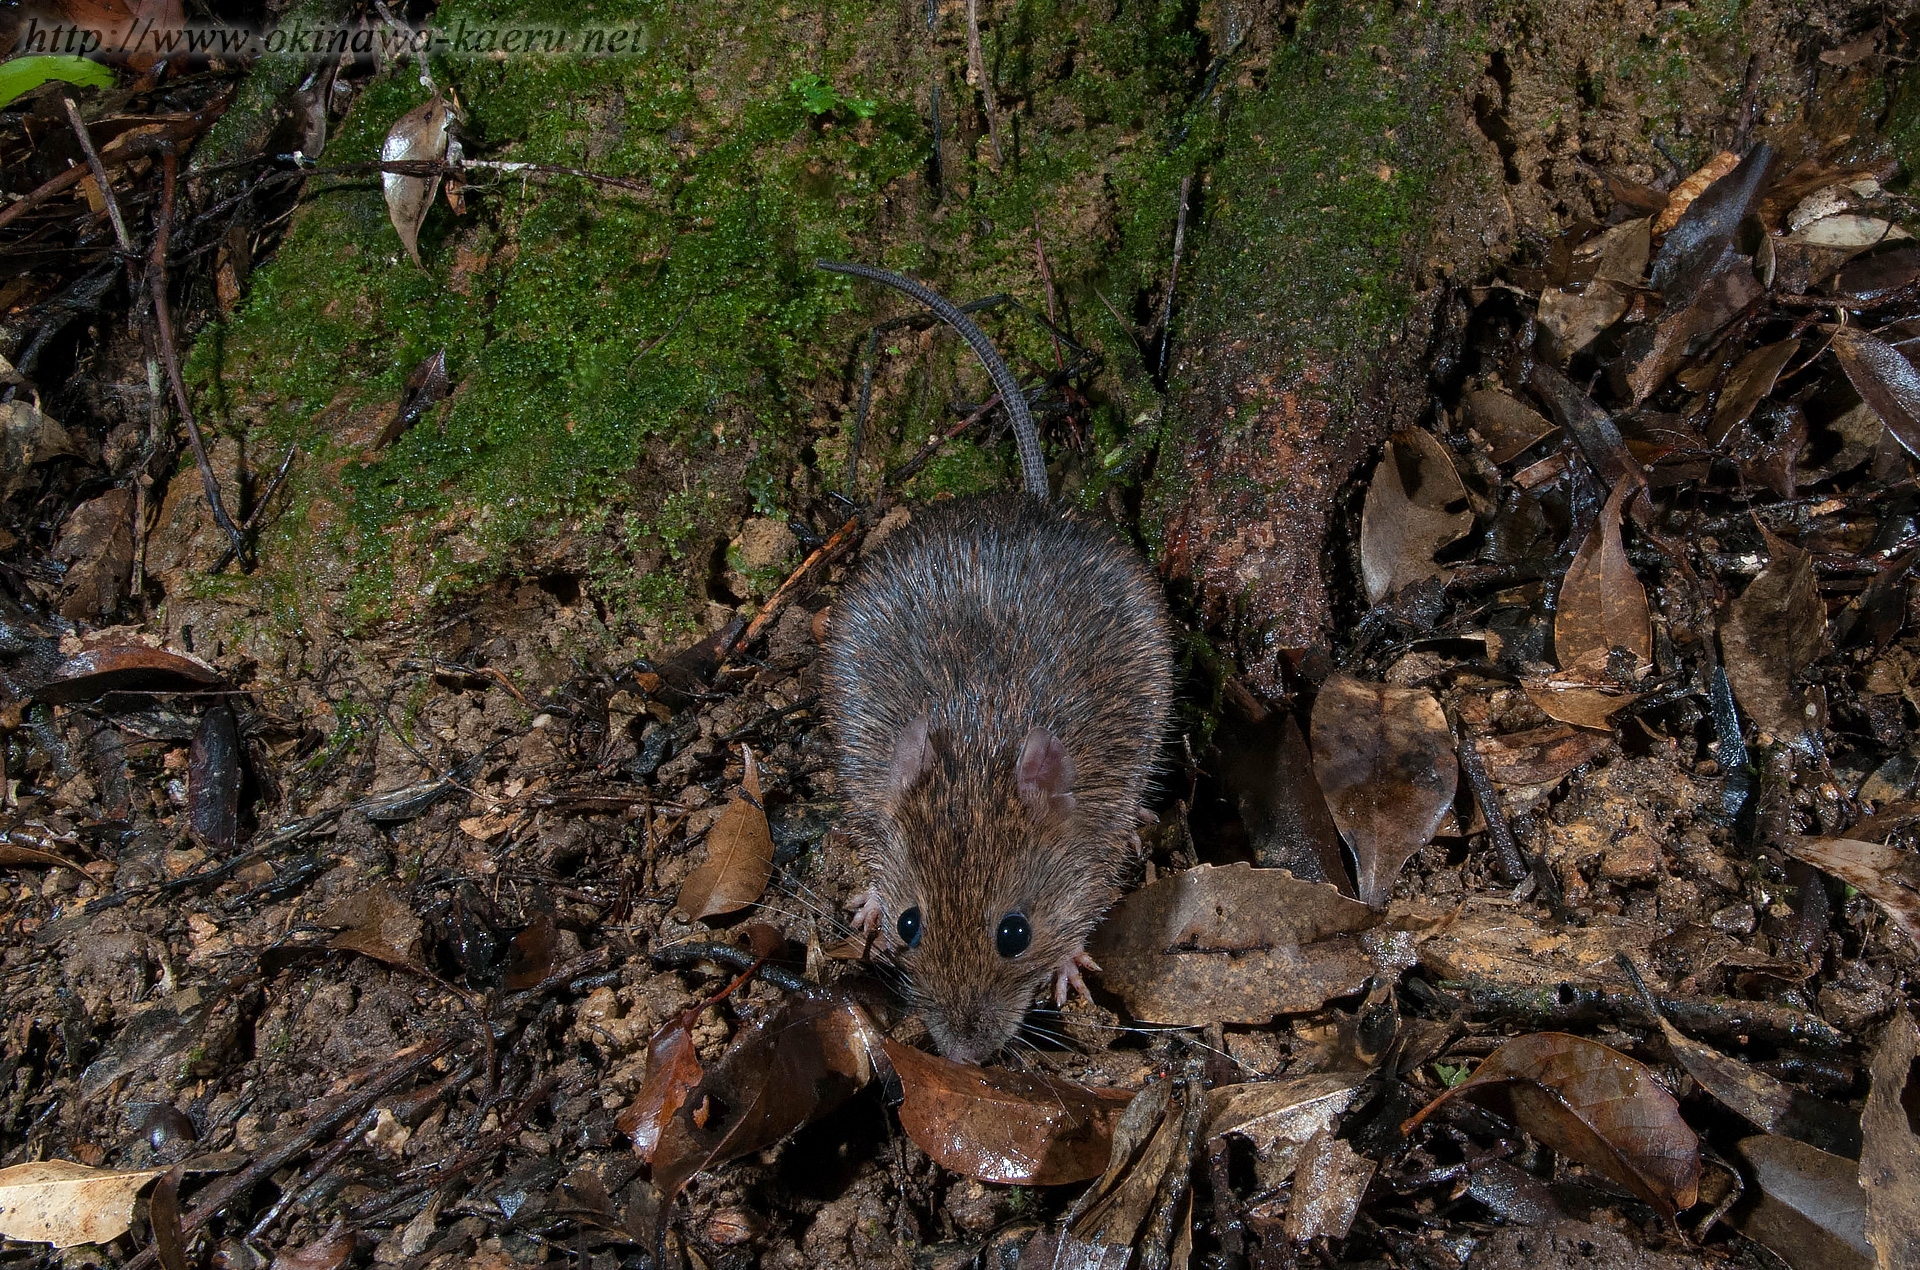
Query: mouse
[(997, 677)]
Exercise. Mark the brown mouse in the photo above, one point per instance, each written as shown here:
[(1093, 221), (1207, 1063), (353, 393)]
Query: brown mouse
[(998, 677)]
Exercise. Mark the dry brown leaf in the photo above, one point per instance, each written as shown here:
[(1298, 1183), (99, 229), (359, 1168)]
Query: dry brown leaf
[(1602, 605), (1581, 705), (673, 1068), (379, 925), (1109, 1213), (420, 135), (1772, 634), (1287, 1112), (1885, 380), (1406, 517), (1234, 944), (739, 855), (1328, 1184), (1592, 1104), (1385, 761), (1505, 423), (794, 1066), (62, 1203), (1811, 1211), (28, 437), (98, 671), (531, 955), (1887, 875), (329, 1252), (1576, 318), (1004, 1126), (1849, 230), (1747, 385), (1538, 756), (1692, 187), (1890, 1150)]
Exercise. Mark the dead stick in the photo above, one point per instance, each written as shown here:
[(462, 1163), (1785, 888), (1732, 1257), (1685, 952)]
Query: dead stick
[(1046, 276), (348, 1106), (925, 452), (259, 509), (40, 194), (1173, 282), (977, 64), (163, 319), (99, 171), (791, 586), (1506, 852)]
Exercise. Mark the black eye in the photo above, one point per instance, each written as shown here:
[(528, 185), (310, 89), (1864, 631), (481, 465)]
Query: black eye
[(1014, 935), (910, 927)]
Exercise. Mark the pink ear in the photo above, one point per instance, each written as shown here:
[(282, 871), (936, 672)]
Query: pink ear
[(912, 756), (1044, 775)]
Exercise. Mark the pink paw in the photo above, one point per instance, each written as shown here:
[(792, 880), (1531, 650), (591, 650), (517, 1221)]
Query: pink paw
[(866, 918), (1066, 977)]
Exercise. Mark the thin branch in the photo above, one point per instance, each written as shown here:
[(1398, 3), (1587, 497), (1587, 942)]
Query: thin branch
[(99, 171), (977, 71), (1173, 282), (163, 319)]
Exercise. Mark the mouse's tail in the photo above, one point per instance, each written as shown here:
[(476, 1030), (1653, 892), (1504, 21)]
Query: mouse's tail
[(1033, 465)]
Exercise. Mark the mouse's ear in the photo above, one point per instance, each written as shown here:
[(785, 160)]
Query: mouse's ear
[(912, 756), (1044, 775)]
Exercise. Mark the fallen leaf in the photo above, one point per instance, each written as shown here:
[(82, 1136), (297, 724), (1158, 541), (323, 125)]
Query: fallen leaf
[(1592, 1104), (1887, 875), (739, 855), (1386, 764), (378, 925), (1109, 1213), (1692, 187), (1890, 1150), (1601, 604), (213, 782), (795, 1065), (1700, 243), (673, 1068), (1004, 1126), (1747, 384), (1593, 428), (1885, 380), (62, 1203), (531, 954), (1771, 635), (1232, 944), (96, 545), (1328, 1184), (1716, 303), (1875, 278), (420, 135), (329, 1252), (1287, 1112), (28, 437), (1576, 318), (1406, 519), (1849, 229), (1269, 773), (1538, 756), (98, 671), (1811, 1212), (1505, 423), (1581, 705)]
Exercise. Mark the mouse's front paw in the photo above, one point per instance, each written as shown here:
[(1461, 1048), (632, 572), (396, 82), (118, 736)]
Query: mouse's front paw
[(866, 918), (1066, 977)]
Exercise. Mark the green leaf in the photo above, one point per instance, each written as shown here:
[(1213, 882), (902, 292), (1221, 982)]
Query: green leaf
[(24, 74)]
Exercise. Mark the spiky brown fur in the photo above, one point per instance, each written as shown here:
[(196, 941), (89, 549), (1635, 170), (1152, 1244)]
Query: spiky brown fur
[(992, 617)]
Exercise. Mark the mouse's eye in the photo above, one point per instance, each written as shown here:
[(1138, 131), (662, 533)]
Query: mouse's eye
[(910, 927), (1014, 935)]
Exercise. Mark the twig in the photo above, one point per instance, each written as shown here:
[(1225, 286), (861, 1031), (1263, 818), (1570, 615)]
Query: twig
[(99, 171), (346, 1107), (40, 194), (1046, 276), (1506, 852), (1173, 282), (426, 72), (919, 460), (791, 587), (163, 319), (977, 71), (252, 522)]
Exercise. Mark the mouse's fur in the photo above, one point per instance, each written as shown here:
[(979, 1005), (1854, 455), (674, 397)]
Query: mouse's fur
[(998, 677)]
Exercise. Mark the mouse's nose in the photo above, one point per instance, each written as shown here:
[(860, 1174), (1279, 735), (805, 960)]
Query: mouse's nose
[(971, 1031)]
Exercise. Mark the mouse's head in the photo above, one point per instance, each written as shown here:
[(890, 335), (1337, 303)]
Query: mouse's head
[(991, 896)]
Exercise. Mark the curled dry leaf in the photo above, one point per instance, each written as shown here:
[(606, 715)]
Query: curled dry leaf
[(794, 1066), (1328, 1184), (1004, 1126), (1850, 230), (1889, 876), (1810, 1212), (673, 1068), (1592, 1104), (28, 437), (1885, 380), (1773, 633), (1538, 756), (1234, 944), (1602, 605), (213, 782), (1109, 1213), (1406, 518), (1385, 761), (98, 671), (1890, 1150), (1287, 1112), (739, 855), (62, 1203), (420, 135), (1692, 187), (1748, 383)]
